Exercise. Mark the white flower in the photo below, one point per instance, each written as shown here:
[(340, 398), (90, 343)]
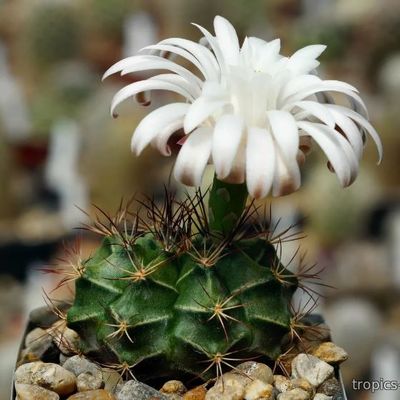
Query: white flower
[(249, 110)]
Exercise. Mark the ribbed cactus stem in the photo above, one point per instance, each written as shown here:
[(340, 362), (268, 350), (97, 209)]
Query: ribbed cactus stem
[(167, 299), (226, 204)]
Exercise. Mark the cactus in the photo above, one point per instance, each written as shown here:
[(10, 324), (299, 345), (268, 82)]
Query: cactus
[(189, 290), (178, 294)]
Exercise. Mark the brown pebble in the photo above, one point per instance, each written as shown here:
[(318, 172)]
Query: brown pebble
[(66, 339), (173, 386), (33, 392), (27, 357), (256, 370), (303, 384), (198, 393), (112, 380), (259, 390), (282, 383), (99, 394), (330, 353), (47, 375), (294, 394)]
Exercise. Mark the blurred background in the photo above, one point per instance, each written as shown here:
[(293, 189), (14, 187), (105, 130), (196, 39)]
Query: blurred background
[(60, 152)]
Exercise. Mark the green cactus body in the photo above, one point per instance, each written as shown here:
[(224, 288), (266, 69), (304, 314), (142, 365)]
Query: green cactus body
[(176, 313)]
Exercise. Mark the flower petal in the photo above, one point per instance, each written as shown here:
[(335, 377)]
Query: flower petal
[(160, 142), (287, 178), (227, 137), (258, 54), (212, 41), (201, 109), (286, 136), (193, 157), (351, 130), (202, 53), (179, 81), (315, 109), (143, 86), (118, 66), (155, 122), (304, 60), (297, 85), (285, 132), (364, 123), (329, 86), (182, 53), (227, 40), (337, 149), (149, 62), (260, 160), (238, 170), (269, 54)]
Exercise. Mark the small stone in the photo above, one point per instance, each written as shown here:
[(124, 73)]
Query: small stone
[(63, 358), (33, 392), (36, 336), (320, 396), (294, 394), (330, 387), (256, 370), (311, 368), (274, 394), (112, 380), (117, 388), (66, 339), (100, 394), (26, 356), (173, 396), (89, 375), (282, 383), (37, 344), (47, 375), (330, 353), (304, 384), (198, 393), (231, 386), (232, 379), (87, 381), (319, 333), (134, 390), (259, 390), (172, 387), (24, 373), (43, 316), (226, 393)]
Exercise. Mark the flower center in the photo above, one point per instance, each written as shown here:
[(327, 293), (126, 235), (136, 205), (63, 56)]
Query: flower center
[(251, 94)]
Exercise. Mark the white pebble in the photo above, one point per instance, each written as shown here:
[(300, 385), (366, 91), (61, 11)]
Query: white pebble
[(311, 368), (258, 389)]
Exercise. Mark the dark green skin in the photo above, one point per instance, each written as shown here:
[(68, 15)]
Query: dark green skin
[(226, 204), (169, 311)]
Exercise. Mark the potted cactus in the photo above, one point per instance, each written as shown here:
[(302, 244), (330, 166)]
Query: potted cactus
[(189, 288)]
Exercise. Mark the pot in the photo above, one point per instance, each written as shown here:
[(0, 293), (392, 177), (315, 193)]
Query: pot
[(43, 317)]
